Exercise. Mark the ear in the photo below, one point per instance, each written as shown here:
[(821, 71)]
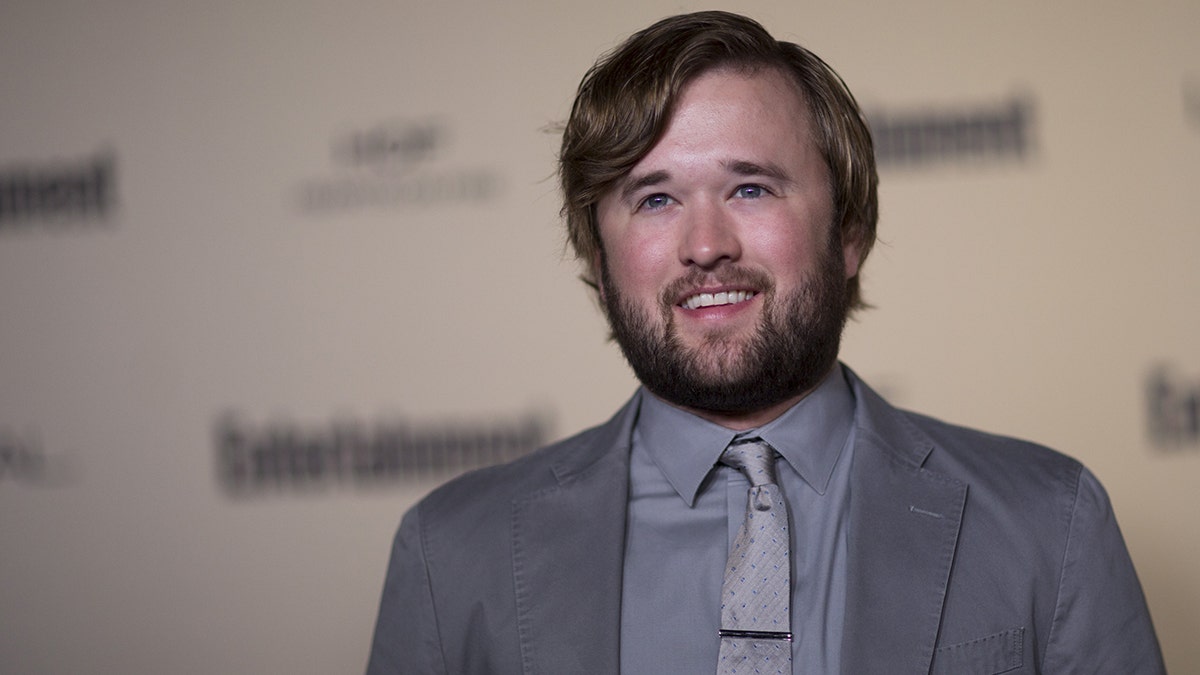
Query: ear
[(598, 276), (851, 256)]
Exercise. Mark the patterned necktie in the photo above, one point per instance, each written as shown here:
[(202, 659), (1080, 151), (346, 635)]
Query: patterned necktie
[(755, 616)]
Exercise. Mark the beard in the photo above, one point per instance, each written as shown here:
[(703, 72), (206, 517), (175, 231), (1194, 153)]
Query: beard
[(791, 349)]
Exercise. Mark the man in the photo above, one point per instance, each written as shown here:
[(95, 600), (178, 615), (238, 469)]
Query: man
[(719, 187)]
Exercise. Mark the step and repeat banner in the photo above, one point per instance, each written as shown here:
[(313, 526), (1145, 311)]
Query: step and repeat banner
[(271, 271)]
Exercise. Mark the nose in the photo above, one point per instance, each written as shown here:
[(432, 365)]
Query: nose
[(709, 238)]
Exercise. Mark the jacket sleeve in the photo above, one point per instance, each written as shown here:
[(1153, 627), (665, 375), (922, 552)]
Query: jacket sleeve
[(1101, 622), (406, 634)]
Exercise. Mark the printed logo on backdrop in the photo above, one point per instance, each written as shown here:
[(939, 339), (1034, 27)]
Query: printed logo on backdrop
[(395, 165), (1191, 99), (23, 460), (58, 194), (1173, 409), (966, 134), (274, 458)]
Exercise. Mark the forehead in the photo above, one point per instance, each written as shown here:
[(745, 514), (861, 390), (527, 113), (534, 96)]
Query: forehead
[(728, 115), (764, 91)]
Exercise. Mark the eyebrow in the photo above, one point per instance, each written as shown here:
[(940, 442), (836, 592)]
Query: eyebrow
[(649, 180), (770, 170)]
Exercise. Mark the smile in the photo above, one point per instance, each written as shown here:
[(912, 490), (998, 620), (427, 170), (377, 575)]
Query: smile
[(716, 299)]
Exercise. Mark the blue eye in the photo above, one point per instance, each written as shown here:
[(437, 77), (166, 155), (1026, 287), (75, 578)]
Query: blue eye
[(750, 191), (656, 201)]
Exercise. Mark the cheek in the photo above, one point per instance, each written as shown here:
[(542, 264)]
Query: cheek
[(637, 260), (637, 270), (802, 243), (789, 251)]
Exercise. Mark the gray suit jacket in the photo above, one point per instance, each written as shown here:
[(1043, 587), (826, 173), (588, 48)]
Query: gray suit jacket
[(968, 553)]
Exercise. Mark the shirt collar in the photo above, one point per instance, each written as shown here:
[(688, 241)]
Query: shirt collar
[(809, 435)]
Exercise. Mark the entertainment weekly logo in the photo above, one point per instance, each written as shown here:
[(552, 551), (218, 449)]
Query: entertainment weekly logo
[(395, 165), (1191, 99), (980, 133), (24, 460), (1173, 410), (285, 457), (58, 193)]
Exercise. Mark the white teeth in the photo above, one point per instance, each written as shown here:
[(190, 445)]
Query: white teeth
[(714, 299)]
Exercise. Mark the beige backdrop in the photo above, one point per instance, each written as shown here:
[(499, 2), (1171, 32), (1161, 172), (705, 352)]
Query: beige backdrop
[(308, 217)]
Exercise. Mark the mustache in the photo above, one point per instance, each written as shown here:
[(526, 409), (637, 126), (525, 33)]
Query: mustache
[(756, 280)]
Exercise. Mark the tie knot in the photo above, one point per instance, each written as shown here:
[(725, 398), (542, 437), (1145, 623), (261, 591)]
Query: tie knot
[(754, 457)]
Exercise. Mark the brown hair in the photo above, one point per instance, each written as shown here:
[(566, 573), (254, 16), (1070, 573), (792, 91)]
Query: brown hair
[(626, 99)]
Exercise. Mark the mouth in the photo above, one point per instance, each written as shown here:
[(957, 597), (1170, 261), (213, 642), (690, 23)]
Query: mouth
[(718, 299)]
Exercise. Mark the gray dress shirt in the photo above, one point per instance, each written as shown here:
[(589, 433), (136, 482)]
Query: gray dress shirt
[(685, 511)]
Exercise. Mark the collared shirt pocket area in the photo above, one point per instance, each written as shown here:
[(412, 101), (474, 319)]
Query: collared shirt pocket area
[(1000, 653)]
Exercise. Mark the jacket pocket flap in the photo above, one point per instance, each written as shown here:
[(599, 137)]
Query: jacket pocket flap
[(989, 655)]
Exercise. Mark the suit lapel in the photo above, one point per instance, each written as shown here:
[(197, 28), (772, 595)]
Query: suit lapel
[(568, 554), (904, 523)]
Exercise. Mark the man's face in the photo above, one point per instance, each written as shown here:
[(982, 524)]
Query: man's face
[(723, 281)]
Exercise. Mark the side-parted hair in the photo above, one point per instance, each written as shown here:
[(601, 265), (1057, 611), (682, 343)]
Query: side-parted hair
[(626, 99)]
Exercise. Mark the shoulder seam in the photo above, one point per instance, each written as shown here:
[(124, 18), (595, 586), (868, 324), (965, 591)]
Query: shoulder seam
[(422, 532), (1062, 578)]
